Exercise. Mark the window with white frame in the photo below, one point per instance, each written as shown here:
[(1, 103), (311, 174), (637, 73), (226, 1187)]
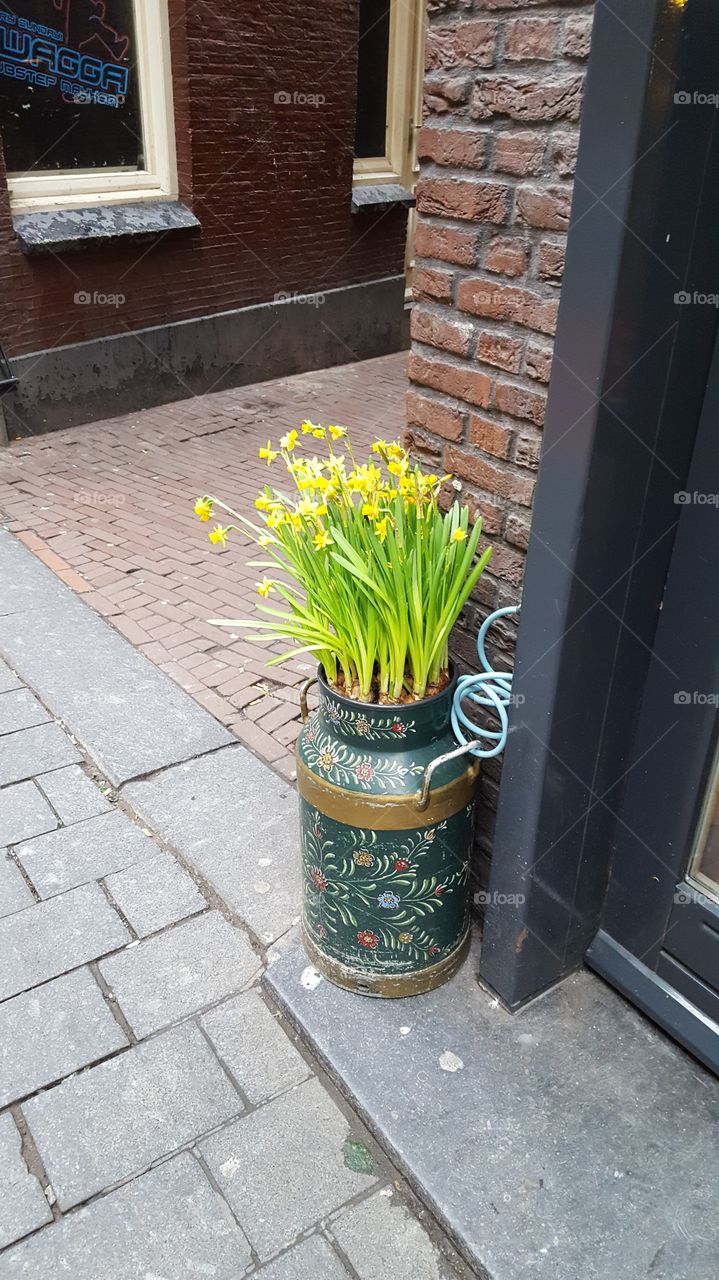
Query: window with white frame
[(86, 102), (389, 69)]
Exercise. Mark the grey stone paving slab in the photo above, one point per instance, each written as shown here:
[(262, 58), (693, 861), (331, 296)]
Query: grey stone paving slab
[(52, 1031), (155, 894), (313, 1259), (236, 822), (381, 1238), (282, 1168), (14, 893), (86, 851), (576, 1111), (50, 938), (23, 1207), (19, 709), (7, 679), (33, 751), (116, 1119), (24, 813), (131, 718), (179, 972), (25, 582), (167, 1225), (254, 1047), (73, 795)]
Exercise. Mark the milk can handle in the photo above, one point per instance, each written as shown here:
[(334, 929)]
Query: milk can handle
[(422, 799), (304, 710)]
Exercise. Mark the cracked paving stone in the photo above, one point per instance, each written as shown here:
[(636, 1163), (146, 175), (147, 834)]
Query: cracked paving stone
[(50, 938), (118, 1118), (155, 894), (313, 1258), (169, 1224), (19, 709), (52, 1031), (253, 1046), (281, 1168), (34, 751), (181, 971), (87, 851), (73, 795), (381, 1238), (24, 813), (7, 679), (14, 893), (23, 1207)]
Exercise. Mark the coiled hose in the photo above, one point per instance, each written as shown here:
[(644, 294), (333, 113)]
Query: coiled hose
[(490, 689)]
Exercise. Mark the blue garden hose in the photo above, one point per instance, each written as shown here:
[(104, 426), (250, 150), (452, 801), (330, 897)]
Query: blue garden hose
[(491, 689)]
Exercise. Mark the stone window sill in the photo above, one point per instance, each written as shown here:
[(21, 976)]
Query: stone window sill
[(69, 230), (385, 195)]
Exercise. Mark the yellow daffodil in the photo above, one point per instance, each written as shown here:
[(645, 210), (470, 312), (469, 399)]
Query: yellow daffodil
[(276, 518), (218, 535), (262, 504), (264, 588), (289, 441), (268, 454), (203, 508), (380, 446), (370, 509), (307, 427), (319, 433), (459, 535), (398, 468), (322, 539), (337, 433), (382, 528)]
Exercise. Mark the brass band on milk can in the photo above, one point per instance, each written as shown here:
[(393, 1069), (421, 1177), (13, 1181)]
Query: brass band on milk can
[(385, 854)]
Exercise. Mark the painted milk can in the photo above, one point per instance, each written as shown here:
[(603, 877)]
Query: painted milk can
[(386, 818)]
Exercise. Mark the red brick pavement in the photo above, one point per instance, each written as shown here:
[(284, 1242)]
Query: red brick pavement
[(108, 507)]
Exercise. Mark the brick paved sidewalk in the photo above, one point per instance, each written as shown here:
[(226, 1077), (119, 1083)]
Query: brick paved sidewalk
[(108, 507), (156, 1118)]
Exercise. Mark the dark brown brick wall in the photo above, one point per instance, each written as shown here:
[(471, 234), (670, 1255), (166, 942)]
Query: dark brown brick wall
[(271, 184), (503, 92)]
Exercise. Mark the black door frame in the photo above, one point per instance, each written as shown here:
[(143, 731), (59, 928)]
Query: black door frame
[(665, 955), (629, 374)]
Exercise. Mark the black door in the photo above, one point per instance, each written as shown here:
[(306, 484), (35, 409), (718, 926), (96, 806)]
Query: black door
[(659, 941)]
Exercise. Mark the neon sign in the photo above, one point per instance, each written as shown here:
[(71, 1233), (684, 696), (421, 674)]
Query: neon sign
[(37, 55)]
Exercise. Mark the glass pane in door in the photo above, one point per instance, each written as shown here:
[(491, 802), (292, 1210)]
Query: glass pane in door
[(704, 863)]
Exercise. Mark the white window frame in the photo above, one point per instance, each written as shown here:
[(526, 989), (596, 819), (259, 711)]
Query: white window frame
[(406, 47), (78, 188)]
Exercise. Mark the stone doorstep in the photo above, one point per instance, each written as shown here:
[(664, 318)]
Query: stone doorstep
[(566, 1139)]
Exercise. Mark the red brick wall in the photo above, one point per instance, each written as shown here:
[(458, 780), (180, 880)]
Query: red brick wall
[(503, 91), (271, 184)]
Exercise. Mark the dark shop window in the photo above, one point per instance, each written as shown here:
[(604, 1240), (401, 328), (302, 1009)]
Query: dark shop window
[(69, 93), (372, 74)]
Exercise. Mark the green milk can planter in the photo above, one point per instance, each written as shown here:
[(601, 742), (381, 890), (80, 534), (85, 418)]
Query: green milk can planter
[(386, 825), (369, 575)]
